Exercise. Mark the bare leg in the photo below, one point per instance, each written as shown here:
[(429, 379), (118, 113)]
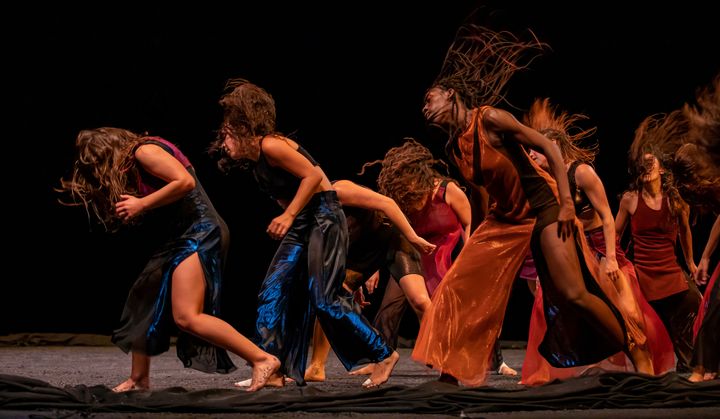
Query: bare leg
[(321, 349), (639, 352), (566, 275), (413, 286), (188, 293), (415, 291), (139, 376)]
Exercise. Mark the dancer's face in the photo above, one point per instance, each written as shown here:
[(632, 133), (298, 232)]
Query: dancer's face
[(651, 169), (438, 106), (540, 159)]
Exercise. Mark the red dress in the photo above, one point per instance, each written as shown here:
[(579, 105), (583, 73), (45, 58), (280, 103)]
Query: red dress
[(654, 234), (437, 223), (458, 332), (643, 325)]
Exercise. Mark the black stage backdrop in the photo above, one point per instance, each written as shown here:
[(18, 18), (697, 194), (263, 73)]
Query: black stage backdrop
[(348, 79)]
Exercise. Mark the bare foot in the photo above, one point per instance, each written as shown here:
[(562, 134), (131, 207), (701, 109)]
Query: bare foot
[(506, 370), (273, 381), (266, 373), (366, 370), (132, 385), (710, 376), (696, 377), (315, 373), (382, 372)]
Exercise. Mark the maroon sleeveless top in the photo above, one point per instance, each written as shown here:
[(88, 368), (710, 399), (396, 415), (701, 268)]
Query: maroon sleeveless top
[(437, 223), (654, 235)]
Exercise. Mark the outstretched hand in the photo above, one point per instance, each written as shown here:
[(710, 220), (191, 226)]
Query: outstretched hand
[(424, 246)]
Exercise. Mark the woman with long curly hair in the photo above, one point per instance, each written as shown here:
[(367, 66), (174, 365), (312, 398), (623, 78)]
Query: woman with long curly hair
[(120, 176), (646, 332), (658, 216), (438, 209), (529, 209), (305, 278)]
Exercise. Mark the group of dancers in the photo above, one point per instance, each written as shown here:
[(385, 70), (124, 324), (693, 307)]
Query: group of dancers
[(529, 204)]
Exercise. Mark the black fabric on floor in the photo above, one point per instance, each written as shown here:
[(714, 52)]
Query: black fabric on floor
[(605, 391)]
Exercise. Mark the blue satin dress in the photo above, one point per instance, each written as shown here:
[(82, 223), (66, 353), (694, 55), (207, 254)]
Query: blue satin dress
[(305, 280), (189, 225)]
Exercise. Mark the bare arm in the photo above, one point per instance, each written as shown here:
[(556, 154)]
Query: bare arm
[(281, 154), (159, 163), (628, 203), (686, 237), (459, 202), (353, 195), (502, 124), (703, 271), (587, 179)]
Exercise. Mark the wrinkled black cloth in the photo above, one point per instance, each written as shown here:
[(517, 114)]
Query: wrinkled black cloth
[(603, 391)]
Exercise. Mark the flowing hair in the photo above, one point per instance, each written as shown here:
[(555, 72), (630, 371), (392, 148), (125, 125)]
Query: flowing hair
[(697, 162), (480, 61), (705, 120), (104, 170), (249, 112), (660, 135), (408, 174), (562, 128)]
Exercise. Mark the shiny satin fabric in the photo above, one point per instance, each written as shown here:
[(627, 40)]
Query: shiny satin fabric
[(458, 332), (190, 225), (305, 280), (643, 325), (437, 223)]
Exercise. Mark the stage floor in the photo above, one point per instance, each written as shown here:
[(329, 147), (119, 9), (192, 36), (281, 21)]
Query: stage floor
[(73, 366)]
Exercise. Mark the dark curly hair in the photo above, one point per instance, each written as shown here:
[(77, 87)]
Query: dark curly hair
[(480, 61), (408, 174), (249, 112)]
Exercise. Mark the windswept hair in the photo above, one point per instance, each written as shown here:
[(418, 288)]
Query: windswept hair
[(408, 174), (660, 135), (248, 112), (697, 162), (480, 62), (705, 120), (104, 170), (562, 128)]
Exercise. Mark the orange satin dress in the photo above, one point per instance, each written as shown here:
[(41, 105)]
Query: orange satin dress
[(458, 332)]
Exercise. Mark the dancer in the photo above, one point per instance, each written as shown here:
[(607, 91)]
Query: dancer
[(457, 334), (305, 277), (657, 216), (647, 334), (706, 351), (438, 209), (120, 176), (376, 246)]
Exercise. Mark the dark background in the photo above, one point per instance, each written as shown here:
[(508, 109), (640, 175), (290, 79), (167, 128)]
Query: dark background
[(348, 79)]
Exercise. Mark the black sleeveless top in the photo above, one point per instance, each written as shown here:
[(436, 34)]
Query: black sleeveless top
[(276, 181), (580, 199)]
